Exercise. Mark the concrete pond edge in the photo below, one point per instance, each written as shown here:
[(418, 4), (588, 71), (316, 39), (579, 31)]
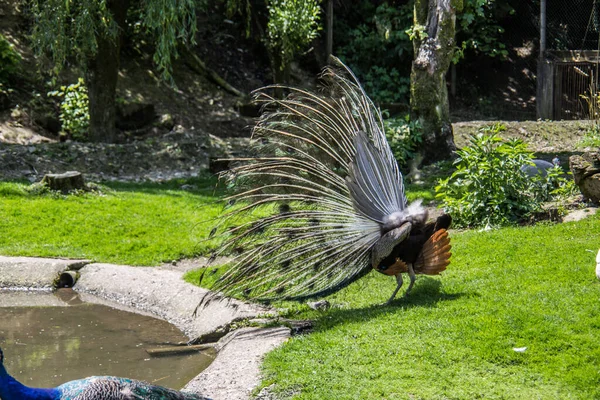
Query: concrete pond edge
[(162, 293)]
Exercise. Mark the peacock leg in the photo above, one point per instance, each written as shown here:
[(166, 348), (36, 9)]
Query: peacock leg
[(413, 277), (400, 282)]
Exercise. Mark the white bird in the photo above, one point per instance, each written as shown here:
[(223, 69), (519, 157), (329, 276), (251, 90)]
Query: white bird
[(598, 265)]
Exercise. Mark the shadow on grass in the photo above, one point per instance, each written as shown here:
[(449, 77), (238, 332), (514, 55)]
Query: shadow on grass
[(426, 294), (204, 185)]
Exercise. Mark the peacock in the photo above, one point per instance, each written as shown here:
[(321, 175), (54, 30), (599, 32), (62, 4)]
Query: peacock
[(92, 388), (320, 201)]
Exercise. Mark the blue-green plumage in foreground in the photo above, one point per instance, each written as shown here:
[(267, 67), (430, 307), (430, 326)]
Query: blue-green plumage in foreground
[(92, 388)]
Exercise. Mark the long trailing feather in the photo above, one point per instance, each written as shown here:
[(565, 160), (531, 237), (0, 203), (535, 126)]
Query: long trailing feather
[(324, 159)]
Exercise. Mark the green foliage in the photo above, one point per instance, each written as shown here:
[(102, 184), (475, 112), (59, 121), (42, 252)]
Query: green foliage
[(555, 185), (478, 29), (74, 109), (592, 99), (373, 41), (9, 59), (591, 138), (66, 29), (292, 25), (170, 22), (489, 187), (404, 136)]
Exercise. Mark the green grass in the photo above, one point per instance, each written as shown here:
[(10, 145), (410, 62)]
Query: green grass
[(453, 338), (138, 224)]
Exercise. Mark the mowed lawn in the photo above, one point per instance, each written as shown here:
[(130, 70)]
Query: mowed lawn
[(515, 316), (128, 223), (532, 289)]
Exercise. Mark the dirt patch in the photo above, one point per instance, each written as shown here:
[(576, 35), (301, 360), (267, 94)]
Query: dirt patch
[(186, 152)]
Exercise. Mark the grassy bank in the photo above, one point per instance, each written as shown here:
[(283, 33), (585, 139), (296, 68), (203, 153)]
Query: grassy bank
[(129, 223), (455, 336), (530, 288)]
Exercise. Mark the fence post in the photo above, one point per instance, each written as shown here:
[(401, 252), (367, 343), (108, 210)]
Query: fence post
[(542, 77)]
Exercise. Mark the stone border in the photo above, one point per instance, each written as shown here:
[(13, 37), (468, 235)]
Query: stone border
[(162, 293)]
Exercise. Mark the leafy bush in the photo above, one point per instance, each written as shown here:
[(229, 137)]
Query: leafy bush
[(404, 136), (74, 109), (554, 185), (489, 187), (291, 27), (478, 29), (372, 40), (9, 59)]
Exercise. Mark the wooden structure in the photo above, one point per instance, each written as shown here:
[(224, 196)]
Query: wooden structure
[(563, 78)]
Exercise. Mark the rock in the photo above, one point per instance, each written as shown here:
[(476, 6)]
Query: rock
[(134, 115), (320, 305), (164, 294), (586, 173), (32, 272), (166, 121), (70, 180)]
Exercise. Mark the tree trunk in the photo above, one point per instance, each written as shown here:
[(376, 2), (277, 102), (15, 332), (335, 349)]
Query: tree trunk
[(329, 42), (101, 78), (429, 94), (281, 73)]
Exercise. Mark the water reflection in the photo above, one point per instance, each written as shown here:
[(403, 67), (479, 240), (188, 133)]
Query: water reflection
[(46, 346)]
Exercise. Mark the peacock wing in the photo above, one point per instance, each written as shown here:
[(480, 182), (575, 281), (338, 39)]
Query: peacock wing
[(435, 255), (310, 204)]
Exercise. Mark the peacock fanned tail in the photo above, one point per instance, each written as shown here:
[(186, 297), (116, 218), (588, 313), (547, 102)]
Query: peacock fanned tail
[(315, 197)]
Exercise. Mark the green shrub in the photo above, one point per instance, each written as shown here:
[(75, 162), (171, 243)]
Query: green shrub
[(489, 187), (74, 109), (9, 59), (372, 40), (554, 185), (292, 26), (404, 136)]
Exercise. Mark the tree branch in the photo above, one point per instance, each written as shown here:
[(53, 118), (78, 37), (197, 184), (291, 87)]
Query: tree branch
[(196, 64)]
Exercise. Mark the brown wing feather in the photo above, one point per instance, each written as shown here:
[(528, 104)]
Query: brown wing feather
[(396, 268), (435, 256)]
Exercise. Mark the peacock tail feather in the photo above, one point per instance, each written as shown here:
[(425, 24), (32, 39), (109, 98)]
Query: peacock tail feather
[(321, 191), (110, 387)]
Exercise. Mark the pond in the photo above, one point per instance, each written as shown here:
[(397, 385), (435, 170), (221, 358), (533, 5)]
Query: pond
[(52, 338)]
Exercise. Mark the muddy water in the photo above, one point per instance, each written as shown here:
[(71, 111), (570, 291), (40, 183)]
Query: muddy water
[(51, 341)]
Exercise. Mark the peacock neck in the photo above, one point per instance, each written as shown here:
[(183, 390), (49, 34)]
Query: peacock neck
[(11, 389)]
